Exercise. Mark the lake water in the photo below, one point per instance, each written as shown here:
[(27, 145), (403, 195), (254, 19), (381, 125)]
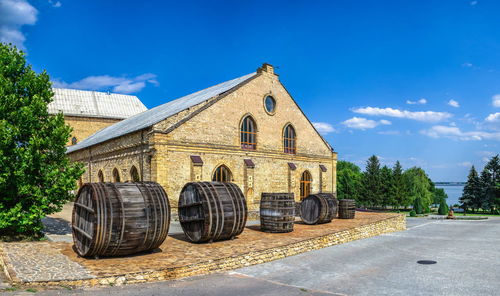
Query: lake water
[(454, 193)]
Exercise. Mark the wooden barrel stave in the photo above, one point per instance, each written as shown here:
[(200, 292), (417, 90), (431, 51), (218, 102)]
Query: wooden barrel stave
[(210, 211), (126, 218), (347, 208), (277, 212), (318, 208)]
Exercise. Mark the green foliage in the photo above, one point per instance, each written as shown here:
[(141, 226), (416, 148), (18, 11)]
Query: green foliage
[(418, 186), (472, 191), (438, 195), (348, 180), (443, 207), (371, 193), (413, 213), (36, 177), (398, 187), (417, 205), (386, 182)]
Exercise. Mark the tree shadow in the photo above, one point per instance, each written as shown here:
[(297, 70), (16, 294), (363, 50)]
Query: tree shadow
[(56, 226)]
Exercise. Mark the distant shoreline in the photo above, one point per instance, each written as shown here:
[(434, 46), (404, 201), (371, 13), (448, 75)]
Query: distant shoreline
[(450, 183)]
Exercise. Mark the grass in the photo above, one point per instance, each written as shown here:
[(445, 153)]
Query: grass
[(31, 290), (477, 214)]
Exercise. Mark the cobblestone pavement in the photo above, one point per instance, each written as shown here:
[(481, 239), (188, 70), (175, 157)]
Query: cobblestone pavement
[(41, 262), (44, 261)]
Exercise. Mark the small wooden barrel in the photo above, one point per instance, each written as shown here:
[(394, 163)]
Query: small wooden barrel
[(210, 211), (347, 208), (277, 212), (111, 219), (318, 208)]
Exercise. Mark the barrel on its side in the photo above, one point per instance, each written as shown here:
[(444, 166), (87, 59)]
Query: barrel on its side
[(210, 211), (111, 219), (318, 208), (277, 212), (347, 208)]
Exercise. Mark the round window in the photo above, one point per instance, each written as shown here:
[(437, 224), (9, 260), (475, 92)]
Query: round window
[(270, 104)]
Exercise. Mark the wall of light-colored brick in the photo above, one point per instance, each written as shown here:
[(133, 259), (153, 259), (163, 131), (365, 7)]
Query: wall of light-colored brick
[(84, 127)]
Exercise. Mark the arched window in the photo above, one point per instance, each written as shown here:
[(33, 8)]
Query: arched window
[(289, 140), (134, 174), (248, 133), (222, 174), (100, 176), (116, 175), (74, 141), (305, 185)]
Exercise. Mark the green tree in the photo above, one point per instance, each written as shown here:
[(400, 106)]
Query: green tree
[(386, 181), (443, 207), (398, 188), (418, 186), (36, 177), (491, 188), (438, 196), (348, 180), (371, 194), (472, 191), (417, 205)]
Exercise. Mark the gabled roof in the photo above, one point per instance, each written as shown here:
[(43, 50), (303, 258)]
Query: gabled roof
[(157, 114), (74, 102)]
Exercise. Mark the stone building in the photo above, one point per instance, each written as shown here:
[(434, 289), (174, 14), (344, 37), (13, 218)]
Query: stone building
[(89, 111), (249, 131)]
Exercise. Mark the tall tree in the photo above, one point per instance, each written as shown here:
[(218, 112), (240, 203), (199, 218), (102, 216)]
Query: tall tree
[(418, 186), (472, 190), (348, 180), (371, 192), (439, 195), (386, 181), (492, 190), (398, 188), (36, 177)]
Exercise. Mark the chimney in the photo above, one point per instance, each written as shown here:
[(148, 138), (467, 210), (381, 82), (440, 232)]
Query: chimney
[(268, 68)]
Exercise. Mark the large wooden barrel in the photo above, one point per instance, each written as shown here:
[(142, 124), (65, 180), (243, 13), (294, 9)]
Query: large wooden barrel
[(347, 208), (210, 211), (111, 219), (318, 208), (277, 212)]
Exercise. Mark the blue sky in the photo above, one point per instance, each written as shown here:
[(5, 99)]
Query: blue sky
[(415, 81)]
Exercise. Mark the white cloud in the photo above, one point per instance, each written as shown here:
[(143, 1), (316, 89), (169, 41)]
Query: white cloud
[(467, 65), (453, 103), (13, 15), (466, 164), (426, 116), (422, 101), (363, 123), (323, 127), (473, 3), (495, 117), (116, 84), (390, 133), (55, 4), (453, 132), (495, 100)]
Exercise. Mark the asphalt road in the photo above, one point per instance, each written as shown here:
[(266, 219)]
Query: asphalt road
[(467, 255)]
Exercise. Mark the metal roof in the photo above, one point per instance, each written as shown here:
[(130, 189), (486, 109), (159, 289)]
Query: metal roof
[(157, 114), (85, 103)]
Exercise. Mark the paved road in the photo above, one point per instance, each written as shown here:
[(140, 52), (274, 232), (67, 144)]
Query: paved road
[(467, 255)]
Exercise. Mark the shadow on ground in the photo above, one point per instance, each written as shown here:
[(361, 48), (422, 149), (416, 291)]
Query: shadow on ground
[(56, 226)]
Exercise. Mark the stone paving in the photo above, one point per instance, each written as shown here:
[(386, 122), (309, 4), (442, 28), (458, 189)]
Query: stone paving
[(41, 262), (177, 257)]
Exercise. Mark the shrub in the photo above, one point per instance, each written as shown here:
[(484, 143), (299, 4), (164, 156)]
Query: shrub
[(443, 208), (413, 213)]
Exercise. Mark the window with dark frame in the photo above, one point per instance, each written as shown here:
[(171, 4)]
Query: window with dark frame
[(134, 174), (116, 175), (222, 174), (305, 184), (289, 140), (248, 134), (100, 176)]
